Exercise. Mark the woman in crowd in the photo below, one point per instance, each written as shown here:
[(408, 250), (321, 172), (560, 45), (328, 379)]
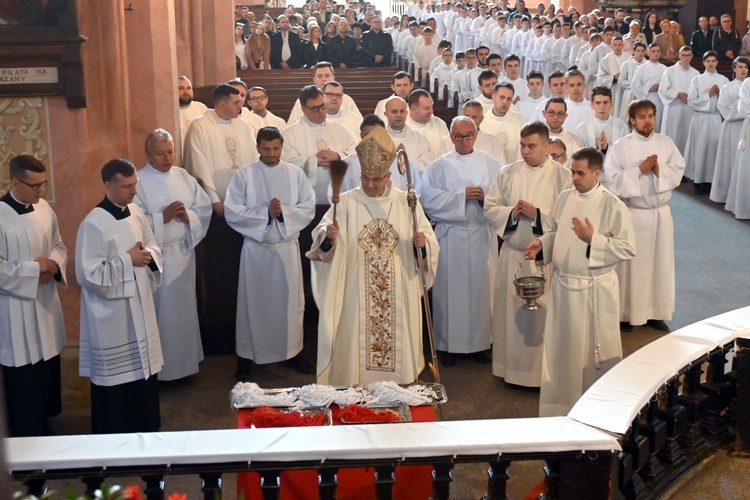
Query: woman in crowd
[(331, 31), (258, 49), (239, 46), (651, 27), (314, 50), (677, 30), (635, 35)]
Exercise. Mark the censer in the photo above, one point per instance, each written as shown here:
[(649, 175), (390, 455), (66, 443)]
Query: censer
[(531, 286)]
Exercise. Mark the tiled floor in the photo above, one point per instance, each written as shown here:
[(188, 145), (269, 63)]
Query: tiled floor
[(712, 249)]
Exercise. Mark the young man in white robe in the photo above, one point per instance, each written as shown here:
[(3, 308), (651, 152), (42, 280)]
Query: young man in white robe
[(322, 74), (535, 97), (555, 115), (705, 125), (555, 88), (512, 67), (516, 206), (587, 69), (424, 54), (673, 92), (365, 278), (642, 169), (33, 261), (189, 109), (401, 85), (738, 198), (484, 142), (179, 212), (415, 144), (312, 142), (587, 233), (453, 191), (118, 265), (604, 128), (444, 74), (487, 80), (600, 52), (647, 79), (257, 98), (624, 94), (333, 95), (422, 121), (610, 66), (730, 130), (504, 123), (269, 202), (579, 108)]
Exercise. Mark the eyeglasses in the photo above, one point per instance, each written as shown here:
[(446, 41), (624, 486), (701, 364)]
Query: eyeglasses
[(559, 114), (462, 137), (316, 109), (557, 157), (372, 180), (258, 98), (331, 95), (36, 187)]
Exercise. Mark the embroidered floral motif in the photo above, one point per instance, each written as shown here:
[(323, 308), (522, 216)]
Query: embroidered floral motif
[(378, 239)]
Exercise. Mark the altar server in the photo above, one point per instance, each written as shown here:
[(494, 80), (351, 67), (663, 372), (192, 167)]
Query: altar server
[(646, 80), (33, 262), (422, 121), (179, 212), (603, 129), (269, 202), (189, 109), (705, 125), (365, 280), (642, 169), (624, 94), (673, 92), (118, 264), (453, 192), (503, 122), (588, 232), (738, 198), (516, 206)]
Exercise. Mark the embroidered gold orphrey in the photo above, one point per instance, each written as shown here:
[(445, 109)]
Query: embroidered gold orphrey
[(378, 239)]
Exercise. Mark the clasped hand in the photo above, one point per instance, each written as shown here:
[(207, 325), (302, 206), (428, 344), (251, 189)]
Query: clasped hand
[(48, 268), (139, 255), (474, 193), (175, 209), (524, 208), (274, 208)]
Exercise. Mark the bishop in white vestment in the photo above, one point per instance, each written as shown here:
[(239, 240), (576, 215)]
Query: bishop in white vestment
[(118, 264), (365, 278), (517, 205), (642, 169), (269, 202), (33, 261), (179, 213), (453, 192), (588, 232)]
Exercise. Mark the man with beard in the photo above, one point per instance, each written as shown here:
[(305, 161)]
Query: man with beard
[(642, 169), (189, 109)]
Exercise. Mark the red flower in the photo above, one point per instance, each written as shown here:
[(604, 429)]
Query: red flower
[(132, 493), (177, 496)]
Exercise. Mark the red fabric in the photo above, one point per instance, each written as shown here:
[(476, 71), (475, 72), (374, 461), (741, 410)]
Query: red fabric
[(413, 482)]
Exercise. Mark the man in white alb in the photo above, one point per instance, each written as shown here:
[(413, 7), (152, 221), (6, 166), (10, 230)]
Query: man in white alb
[(333, 95), (484, 142), (517, 205), (401, 85), (624, 94), (587, 233), (604, 128), (189, 109), (422, 121), (555, 115), (504, 123), (415, 144), (642, 169), (179, 212), (453, 191), (579, 108), (673, 92), (322, 74), (257, 99), (647, 80)]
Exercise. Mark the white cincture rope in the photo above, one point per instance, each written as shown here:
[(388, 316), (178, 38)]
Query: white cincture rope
[(391, 392), (591, 283), (325, 395), (250, 395)]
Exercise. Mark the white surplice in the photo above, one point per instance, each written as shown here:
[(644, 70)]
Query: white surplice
[(728, 140), (368, 290), (486, 143), (572, 141), (348, 119), (624, 91), (676, 115), (614, 129), (462, 294), (644, 77), (433, 131), (578, 112), (738, 198), (271, 120), (187, 115), (215, 149), (254, 120), (302, 142), (417, 148), (175, 299), (270, 295), (517, 333), (32, 327), (119, 331), (508, 129), (647, 282), (582, 329), (347, 103), (705, 127)]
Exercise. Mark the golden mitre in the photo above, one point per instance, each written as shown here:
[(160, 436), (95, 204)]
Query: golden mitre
[(376, 152)]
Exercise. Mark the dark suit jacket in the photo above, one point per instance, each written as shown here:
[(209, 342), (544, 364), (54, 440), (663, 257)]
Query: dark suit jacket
[(376, 44), (295, 45), (623, 29), (342, 50), (723, 41), (701, 43), (310, 56)]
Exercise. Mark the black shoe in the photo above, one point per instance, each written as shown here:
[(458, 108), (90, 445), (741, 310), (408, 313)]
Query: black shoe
[(244, 369), (698, 189), (300, 364), (625, 326), (482, 357), (187, 382), (658, 324), (448, 359), (707, 187)]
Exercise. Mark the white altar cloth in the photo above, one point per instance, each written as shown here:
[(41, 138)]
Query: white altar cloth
[(341, 442)]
